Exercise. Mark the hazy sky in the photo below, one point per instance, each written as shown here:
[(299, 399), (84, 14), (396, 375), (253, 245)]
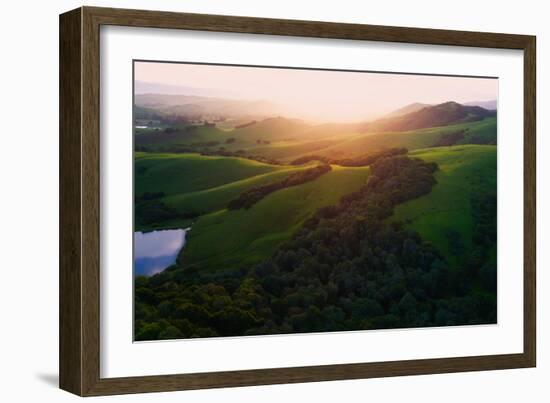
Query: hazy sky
[(313, 94)]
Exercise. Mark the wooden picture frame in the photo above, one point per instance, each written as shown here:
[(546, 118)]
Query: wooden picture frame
[(79, 201)]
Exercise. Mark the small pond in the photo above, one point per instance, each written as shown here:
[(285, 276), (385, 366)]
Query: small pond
[(156, 250)]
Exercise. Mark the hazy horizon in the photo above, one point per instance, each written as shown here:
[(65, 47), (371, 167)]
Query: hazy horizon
[(319, 95)]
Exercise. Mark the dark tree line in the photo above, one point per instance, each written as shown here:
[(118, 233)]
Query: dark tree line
[(345, 269), (361, 161), (243, 125), (309, 158), (150, 210), (241, 154), (253, 195), (449, 139), (370, 158), (203, 149)]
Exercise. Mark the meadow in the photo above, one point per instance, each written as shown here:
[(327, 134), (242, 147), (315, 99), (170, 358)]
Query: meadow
[(464, 172), (231, 238)]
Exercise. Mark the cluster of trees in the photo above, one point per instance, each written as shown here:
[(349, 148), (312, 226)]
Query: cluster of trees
[(142, 113), (449, 139), (464, 137), (253, 195), (151, 210), (205, 144), (479, 138), (141, 148), (173, 148), (149, 195), (309, 158), (483, 256), (181, 149), (371, 158), (363, 160), (243, 125), (345, 269), (240, 154)]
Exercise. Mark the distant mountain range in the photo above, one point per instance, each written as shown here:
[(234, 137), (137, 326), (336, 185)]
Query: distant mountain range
[(411, 117), (491, 105), (192, 106), (145, 87), (416, 106)]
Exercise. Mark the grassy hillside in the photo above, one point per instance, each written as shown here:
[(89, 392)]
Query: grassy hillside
[(181, 173), (483, 132), (287, 151), (179, 135), (271, 129), (217, 197), (229, 239), (465, 171), (341, 142), (415, 139), (286, 139)]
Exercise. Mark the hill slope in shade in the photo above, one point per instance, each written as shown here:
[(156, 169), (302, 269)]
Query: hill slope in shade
[(230, 239), (216, 198), (464, 172), (431, 116), (180, 173)]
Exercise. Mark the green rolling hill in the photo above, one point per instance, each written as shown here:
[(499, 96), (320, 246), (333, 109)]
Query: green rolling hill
[(181, 173), (180, 135), (205, 185), (287, 139), (465, 172), (217, 197), (483, 131), (287, 151), (271, 129), (229, 239)]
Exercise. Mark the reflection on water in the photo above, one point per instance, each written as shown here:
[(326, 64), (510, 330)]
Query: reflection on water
[(155, 251)]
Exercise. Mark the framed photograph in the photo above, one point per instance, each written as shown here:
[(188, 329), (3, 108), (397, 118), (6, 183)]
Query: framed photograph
[(250, 201)]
